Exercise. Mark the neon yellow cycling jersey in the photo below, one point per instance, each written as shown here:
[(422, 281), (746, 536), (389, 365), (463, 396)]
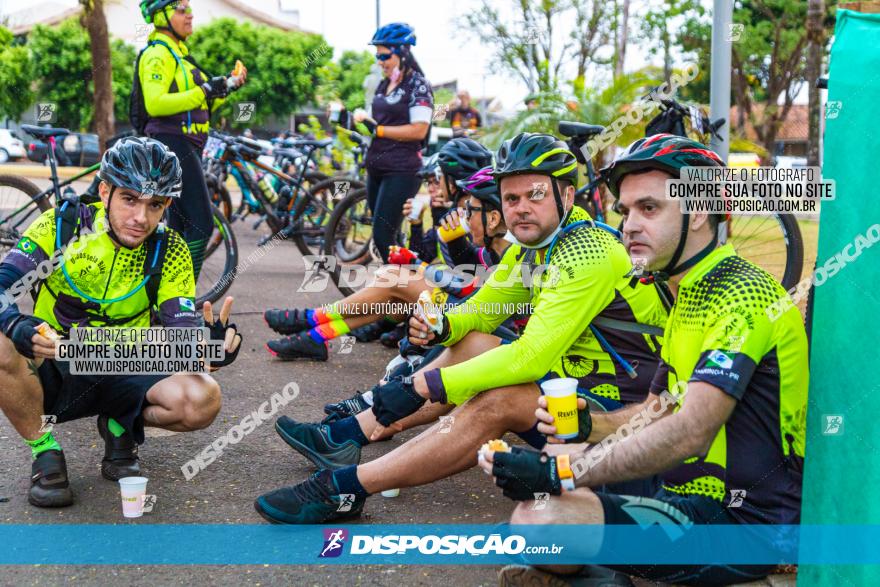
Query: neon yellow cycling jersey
[(170, 83), (719, 332), (103, 270), (591, 281)]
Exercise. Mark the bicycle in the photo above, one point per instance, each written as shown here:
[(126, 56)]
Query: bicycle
[(773, 242), (287, 158), (293, 211), (28, 202), (348, 237)]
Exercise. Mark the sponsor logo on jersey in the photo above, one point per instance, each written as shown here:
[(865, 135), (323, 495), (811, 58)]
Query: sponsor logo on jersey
[(187, 304)]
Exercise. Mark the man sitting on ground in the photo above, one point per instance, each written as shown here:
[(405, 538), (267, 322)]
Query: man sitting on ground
[(571, 332), (726, 415)]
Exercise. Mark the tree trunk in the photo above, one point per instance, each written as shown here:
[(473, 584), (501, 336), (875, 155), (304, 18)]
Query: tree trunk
[(622, 40), (816, 36), (102, 75), (667, 56)]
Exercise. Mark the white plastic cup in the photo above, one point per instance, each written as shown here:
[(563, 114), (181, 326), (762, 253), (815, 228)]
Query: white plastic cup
[(133, 490), (562, 404), (418, 205)]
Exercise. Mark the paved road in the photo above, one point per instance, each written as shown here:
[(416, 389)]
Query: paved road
[(224, 493)]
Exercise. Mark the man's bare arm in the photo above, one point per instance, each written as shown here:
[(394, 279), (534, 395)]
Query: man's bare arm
[(664, 443), (607, 423)]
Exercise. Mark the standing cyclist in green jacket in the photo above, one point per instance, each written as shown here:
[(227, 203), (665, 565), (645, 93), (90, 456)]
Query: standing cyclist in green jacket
[(179, 97)]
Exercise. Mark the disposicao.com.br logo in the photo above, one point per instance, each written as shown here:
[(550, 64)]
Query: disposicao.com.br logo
[(443, 545)]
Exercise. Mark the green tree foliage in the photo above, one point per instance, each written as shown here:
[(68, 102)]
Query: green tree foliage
[(589, 104), (284, 68), (16, 73), (667, 30), (344, 80), (62, 73), (529, 46), (769, 60), (63, 70)]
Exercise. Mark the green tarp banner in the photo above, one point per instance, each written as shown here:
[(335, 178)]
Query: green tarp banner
[(842, 477)]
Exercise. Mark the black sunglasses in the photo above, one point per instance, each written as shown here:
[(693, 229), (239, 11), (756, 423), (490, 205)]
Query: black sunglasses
[(469, 210), (384, 56)]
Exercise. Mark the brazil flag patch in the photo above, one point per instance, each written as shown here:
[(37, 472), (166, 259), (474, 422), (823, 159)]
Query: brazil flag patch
[(27, 245)]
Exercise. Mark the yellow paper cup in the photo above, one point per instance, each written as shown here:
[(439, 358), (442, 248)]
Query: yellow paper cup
[(561, 397), (457, 232)]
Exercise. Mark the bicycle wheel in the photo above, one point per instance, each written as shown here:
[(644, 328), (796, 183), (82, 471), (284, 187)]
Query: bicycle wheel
[(348, 236), (221, 262), (312, 214), (219, 195), (772, 242), (18, 208)]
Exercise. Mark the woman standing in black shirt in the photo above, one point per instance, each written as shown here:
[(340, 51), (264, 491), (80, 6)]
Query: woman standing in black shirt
[(401, 116)]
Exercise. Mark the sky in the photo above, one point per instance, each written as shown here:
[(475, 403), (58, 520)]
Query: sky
[(445, 50)]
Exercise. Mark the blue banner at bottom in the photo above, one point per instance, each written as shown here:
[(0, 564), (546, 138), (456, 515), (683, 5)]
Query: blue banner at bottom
[(155, 544)]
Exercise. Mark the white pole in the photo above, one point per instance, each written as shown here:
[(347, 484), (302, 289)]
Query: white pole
[(719, 101)]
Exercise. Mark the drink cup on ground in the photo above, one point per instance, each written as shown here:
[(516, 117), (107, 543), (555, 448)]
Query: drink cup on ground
[(133, 490)]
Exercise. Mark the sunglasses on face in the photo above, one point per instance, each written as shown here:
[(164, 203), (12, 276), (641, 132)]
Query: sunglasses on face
[(469, 210), (183, 9), (384, 56)]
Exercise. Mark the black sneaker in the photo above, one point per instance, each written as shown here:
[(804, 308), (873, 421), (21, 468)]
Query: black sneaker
[(313, 442), (314, 501), (49, 485), (347, 407), (298, 346), (391, 339), (120, 454), (372, 331), (286, 321)]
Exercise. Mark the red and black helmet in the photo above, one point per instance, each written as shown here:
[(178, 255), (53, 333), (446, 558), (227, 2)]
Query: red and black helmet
[(665, 152)]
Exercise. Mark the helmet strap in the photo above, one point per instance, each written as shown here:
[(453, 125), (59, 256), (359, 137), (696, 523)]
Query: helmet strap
[(170, 28), (110, 232), (452, 192), (673, 268), (560, 208), (487, 238)]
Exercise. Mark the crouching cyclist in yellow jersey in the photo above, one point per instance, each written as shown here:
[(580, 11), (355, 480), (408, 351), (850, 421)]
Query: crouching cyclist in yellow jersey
[(124, 268), (178, 97), (725, 432), (590, 320)]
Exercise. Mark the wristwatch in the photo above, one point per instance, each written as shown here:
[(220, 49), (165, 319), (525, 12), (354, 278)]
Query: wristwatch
[(566, 477)]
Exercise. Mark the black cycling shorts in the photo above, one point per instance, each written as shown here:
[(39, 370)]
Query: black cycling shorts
[(71, 397), (682, 510)]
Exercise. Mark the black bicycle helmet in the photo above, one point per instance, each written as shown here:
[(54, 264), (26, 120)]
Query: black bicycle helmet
[(540, 154), (665, 152), (430, 167), (669, 153), (460, 158), (143, 165)]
